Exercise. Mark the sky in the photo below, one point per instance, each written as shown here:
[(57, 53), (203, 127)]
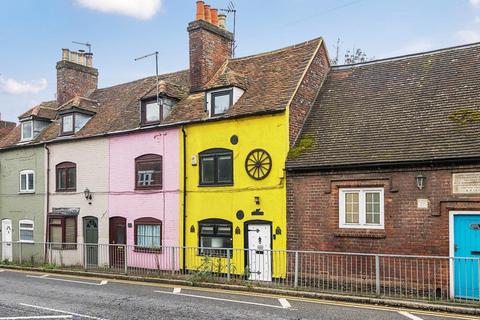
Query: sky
[(32, 33)]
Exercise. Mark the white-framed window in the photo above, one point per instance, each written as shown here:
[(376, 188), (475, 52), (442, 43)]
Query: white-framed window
[(361, 208), (27, 130), (27, 181), (25, 228)]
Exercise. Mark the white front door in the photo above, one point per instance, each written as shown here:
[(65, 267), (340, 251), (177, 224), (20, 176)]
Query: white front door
[(259, 252), (7, 240)]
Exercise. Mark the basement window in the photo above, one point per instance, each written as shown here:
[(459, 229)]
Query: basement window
[(361, 208)]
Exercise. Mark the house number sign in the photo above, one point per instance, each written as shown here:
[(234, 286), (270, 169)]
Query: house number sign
[(466, 183)]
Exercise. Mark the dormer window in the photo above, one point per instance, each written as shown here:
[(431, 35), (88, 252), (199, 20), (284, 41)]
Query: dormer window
[(27, 130), (32, 128), (154, 112), (221, 102), (73, 122)]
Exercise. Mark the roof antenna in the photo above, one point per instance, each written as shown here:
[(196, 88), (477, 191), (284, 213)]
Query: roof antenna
[(156, 71), (231, 9), (86, 44)]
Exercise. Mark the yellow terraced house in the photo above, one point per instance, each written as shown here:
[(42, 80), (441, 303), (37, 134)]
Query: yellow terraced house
[(243, 115)]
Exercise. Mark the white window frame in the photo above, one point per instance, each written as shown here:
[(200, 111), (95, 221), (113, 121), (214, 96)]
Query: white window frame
[(147, 176), (31, 130), (26, 172), (362, 210), (29, 229)]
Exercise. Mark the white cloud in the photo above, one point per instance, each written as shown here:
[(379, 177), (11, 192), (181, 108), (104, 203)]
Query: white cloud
[(468, 36), (140, 9), (12, 86), (475, 3), (476, 20)]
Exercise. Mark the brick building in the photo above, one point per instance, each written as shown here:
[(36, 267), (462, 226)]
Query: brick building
[(388, 160)]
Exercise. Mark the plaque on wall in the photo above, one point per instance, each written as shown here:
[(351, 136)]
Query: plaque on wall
[(466, 183)]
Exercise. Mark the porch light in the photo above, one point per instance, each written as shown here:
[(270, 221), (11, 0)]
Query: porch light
[(278, 231), (87, 194), (420, 180)]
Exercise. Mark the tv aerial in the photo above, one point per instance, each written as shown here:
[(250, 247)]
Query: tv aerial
[(156, 71), (231, 9), (86, 44)]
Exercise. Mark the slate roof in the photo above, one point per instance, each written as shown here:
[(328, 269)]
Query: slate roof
[(270, 80), (422, 107)]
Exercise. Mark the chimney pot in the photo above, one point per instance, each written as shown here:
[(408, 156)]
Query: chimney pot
[(221, 20), (214, 16), (200, 10), (65, 54), (208, 16)]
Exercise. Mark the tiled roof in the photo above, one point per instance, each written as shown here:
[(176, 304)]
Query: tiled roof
[(80, 103), (47, 110), (422, 107), (6, 127), (270, 80)]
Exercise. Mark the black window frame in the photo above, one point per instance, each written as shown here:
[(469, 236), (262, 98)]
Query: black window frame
[(215, 94), (215, 223), (65, 166), (147, 221), (63, 221), (215, 153)]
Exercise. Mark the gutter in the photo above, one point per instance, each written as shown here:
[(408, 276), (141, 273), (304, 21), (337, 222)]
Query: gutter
[(184, 237), (381, 165)]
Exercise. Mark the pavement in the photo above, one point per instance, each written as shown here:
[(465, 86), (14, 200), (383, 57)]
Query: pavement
[(31, 295)]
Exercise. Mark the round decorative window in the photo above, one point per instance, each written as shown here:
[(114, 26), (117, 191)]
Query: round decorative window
[(258, 164)]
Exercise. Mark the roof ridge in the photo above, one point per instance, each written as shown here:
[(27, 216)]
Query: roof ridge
[(407, 56), (277, 50)]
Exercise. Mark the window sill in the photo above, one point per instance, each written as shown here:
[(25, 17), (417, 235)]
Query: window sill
[(147, 250), (216, 185), (361, 233), (148, 188), (26, 192), (66, 191), (26, 241), (152, 123)]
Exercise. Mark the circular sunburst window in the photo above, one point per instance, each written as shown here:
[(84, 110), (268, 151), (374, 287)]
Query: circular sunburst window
[(258, 164)]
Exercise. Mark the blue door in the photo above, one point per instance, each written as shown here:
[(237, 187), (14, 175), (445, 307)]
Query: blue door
[(467, 255)]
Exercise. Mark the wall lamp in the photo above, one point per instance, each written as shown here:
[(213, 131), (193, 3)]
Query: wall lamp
[(420, 180), (88, 195)]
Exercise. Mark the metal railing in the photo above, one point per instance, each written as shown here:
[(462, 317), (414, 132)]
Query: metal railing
[(442, 279)]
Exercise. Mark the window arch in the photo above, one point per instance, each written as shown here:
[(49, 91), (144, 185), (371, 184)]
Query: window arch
[(27, 181), (148, 171), (216, 167), (66, 177), (214, 237), (148, 234)]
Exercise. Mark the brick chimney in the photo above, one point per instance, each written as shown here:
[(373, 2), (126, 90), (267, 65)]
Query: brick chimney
[(210, 46), (75, 75)]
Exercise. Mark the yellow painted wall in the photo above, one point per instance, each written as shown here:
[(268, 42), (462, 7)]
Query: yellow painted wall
[(268, 132)]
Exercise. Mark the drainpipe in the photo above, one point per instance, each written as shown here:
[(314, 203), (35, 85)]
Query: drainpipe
[(47, 193), (184, 234)]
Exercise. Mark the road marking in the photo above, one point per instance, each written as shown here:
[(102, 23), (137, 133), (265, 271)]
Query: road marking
[(46, 277), (275, 296), (38, 317), (177, 290), (61, 311), (409, 315), (222, 299), (284, 302)]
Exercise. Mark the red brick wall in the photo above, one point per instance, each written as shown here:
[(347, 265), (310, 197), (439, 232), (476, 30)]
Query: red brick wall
[(312, 211), (210, 47), (307, 92), (74, 80)]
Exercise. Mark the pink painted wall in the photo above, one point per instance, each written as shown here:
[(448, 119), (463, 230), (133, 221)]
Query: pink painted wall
[(125, 201)]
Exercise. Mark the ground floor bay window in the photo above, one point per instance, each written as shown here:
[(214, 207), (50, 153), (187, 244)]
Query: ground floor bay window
[(215, 236)]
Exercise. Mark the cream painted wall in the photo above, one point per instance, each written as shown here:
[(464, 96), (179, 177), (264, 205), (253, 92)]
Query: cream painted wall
[(92, 159)]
